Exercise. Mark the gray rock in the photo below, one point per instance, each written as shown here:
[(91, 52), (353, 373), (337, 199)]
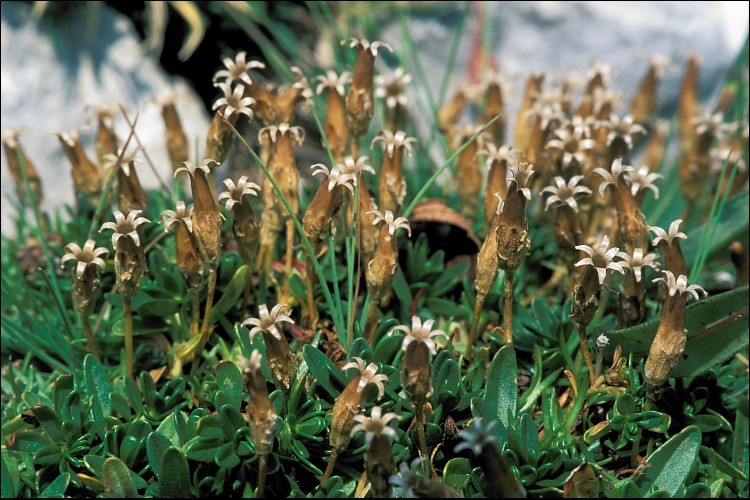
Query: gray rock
[(51, 69), (558, 38)]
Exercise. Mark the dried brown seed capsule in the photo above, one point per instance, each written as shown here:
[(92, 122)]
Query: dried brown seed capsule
[(379, 461), (497, 162), (347, 405), (281, 361), (450, 112), (130, 262), (689, 107), (87, 178), (289, 96), (671, 336), (392, 187), (499, 481), (261, 414), (206, 217), (335, 127), (130, 193), (392, 89), (246, 226), (568, 228), (106, 142), (11, 145), (524, 122), (177, 144), (644, 101), (467, 168), (189, 260), (495, 106), (631, 221), (669, 243), (587, 289), (360, 100)]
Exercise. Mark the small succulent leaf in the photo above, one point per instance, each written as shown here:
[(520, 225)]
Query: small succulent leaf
[(156, 445), (98, 387), (229, 381), (231, 294), (49, 421), (9, 481), (118, 480), (360, 349), (203, 449), (63, 386), (671, 463), (328, 375), (457, 472), (174, 481), (722, 464), (500, 393), (226, 456), (57, 488)]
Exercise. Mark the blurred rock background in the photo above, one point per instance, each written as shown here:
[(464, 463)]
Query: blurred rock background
[(54, 65)]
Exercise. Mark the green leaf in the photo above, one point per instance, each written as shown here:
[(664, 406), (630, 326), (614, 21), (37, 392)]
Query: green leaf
[(361, 349), (64, 385), (698, 490), (156, 446), (456, 472), (728, 229), (169, 427), (231, 293), (8, 480), (499, 400), (740, 448), (722, 463), (29, 441), (324, 371), (117, 479), (98, 387), (49, 421), (448, 279), (447, 307), (229, 380), (175, 480), (226, 456), (716, 331), (56, 489), (669, 466), (203, 449)]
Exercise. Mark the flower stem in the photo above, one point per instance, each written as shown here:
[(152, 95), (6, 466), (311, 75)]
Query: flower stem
[(205, 329), (371, 321), (478, 304), (508, 308), (583, 337), (289, 260), (196, 312), (128, 315), (329, 468), (90, 335), (262, 465), (312, 310), (419, 423)]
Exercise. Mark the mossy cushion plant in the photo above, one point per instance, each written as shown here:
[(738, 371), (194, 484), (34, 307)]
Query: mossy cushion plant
[(594, 343)]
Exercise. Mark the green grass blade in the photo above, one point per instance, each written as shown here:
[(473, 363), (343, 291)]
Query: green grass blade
[(43, 242), (337, 320), (444, 166)]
